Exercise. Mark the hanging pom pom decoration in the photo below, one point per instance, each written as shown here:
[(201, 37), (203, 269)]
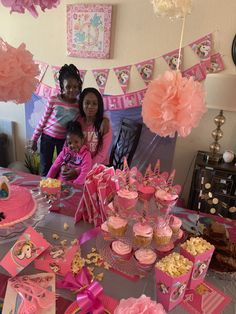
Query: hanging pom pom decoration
[(173, 103), (20, 6), (172, 8), (17, 73)]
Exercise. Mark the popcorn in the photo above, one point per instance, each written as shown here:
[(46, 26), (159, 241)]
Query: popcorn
[(77, 263), (55, 236), (196, 246), (64, 242), (74, 242), (66, 226), (174, 264), (50, 183)]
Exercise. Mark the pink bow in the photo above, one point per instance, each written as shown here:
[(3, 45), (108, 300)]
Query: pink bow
[(88, 299)]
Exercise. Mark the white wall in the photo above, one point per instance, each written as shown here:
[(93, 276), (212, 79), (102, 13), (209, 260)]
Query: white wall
[(137, 34)]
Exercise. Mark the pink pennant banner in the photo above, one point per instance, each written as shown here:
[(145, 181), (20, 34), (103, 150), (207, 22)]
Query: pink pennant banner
[(172, 57), (42, 69), (216, 64), (101, 76), (145, 69), (46, 91), (129, 100), (202, 47), (196, 71), (82, 74), (123, 74)]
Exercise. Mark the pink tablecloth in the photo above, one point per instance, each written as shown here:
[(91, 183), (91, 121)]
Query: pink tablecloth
[(70, 196)]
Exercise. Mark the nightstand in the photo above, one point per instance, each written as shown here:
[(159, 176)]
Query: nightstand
[(213, 187)]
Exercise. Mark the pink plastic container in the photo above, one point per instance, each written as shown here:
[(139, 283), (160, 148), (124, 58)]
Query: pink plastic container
[(170, 290), (200, 266)]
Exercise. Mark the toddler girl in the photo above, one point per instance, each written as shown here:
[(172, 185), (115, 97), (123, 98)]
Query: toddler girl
[(59, 111), (75, 155)]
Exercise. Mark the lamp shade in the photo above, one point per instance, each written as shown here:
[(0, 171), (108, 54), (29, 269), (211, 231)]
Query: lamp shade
[(221, 91)]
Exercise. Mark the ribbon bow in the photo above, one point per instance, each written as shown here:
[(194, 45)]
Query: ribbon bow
[(88, 292)]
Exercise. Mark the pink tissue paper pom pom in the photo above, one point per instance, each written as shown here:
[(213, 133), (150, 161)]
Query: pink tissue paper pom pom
[(173, 103), (21, 5), (142, 305), (17, 73)]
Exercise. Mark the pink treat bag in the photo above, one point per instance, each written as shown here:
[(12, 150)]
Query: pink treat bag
[(200, 266), (26, 249), (170, 290)]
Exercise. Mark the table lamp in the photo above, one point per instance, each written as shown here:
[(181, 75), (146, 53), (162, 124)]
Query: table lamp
[(220, 94)]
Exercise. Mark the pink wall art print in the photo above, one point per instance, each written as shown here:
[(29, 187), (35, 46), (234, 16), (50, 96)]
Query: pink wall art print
[(89, 30)]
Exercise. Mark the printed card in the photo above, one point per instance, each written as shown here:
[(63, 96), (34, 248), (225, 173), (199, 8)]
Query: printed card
[(205, 299), (57, 259), (27, 248), (38, 291)]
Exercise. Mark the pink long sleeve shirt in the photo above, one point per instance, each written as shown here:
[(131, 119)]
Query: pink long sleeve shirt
[(81, 162), (55, 118), (102, 156)]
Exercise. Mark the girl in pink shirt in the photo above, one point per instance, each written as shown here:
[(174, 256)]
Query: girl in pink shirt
[(59, 111), (75, 155), (96, 128)]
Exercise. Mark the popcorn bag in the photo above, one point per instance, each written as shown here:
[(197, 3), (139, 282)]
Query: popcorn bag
[(170, 288), (51, 187), (199, 251)]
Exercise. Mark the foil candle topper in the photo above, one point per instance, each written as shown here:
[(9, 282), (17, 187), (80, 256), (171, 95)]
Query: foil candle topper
[(126, 173), (147, 175), (171, 178)]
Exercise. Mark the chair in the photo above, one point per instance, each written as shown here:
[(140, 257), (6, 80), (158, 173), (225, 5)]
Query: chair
[(125, 143)]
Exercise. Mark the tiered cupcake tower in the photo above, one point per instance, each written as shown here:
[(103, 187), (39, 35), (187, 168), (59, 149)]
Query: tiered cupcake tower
[(139, 231)]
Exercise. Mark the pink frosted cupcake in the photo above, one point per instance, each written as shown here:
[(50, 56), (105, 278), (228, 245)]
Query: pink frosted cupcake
[(166, 198), (162, 234), (143, 233), (127, 199), (117, 226), (121, 250), (145, 258), (105, 231), (175, 223), (145, 192)]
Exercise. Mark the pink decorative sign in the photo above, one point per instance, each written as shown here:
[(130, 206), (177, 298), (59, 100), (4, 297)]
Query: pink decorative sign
[(145, 69), (216, 64), (44, 90), (101, 76), (129, 100), (123, 74), (89, 30), (172, 57), (202, 47), (196, 72)]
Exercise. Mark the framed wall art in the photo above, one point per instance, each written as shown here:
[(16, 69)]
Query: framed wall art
[(89, 30)]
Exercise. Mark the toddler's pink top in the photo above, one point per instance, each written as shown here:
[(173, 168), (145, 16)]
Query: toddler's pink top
[(102, 156), (81, 161)]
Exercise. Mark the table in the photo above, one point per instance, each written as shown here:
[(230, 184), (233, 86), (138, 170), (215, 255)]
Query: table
[(115, 285)]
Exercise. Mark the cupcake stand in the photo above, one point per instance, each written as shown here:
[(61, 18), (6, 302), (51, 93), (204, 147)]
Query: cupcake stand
[(152, 207)]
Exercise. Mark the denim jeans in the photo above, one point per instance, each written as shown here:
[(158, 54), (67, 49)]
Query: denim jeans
[(47, 147)]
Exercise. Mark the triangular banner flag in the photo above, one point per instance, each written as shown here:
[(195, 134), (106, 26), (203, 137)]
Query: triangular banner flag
[(145, 69), (216, 64), (42, 69), (101, 76), (172, 57), (44, 90), (82, 74), (203, 47), (123, 74), (196, 72)]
